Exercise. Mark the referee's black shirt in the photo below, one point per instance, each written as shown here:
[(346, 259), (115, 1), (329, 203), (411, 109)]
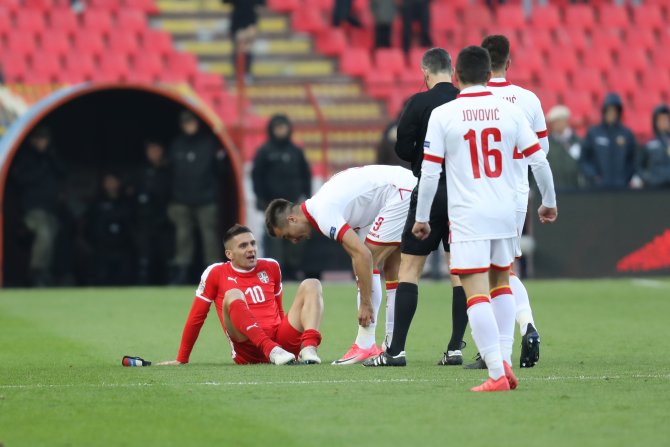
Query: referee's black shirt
[(413, 122)]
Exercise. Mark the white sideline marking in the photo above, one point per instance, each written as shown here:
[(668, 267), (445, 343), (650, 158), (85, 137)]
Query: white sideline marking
[(653, 283), (331, 382)]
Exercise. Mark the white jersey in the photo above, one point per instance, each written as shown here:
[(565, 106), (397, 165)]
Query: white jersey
[(475, 137), (531, 107), (354, 197)]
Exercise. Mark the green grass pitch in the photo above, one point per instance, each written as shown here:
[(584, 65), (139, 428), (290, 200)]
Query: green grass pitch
[(603, 379)]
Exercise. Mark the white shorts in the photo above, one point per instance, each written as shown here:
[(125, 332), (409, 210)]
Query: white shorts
[(388, 225), (481, 256), (520, 223)]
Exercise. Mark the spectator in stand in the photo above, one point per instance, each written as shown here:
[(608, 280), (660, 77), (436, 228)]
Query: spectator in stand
[(608, 150), (37, 173), (654, 164), (416, 11), (243, 33), (195, 160), (384, 13), (564, 150), (110, 234), (154, 231), (386, 154), (342, 10), (281, 170)]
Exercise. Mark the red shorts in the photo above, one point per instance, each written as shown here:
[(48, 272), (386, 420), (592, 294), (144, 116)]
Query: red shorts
[(284, 334)]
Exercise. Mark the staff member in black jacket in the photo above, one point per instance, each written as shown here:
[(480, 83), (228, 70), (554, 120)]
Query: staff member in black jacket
[(37, 172), (437, 71), (195, 159), (281, 170)]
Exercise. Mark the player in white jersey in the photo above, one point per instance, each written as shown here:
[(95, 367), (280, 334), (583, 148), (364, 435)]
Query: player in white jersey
[(499, 49), (475, 138), (364, 209)]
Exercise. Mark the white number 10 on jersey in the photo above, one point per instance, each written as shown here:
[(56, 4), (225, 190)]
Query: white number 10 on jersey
[(256, 294)]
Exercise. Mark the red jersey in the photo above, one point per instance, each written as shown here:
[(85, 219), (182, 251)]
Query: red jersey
[(262, 288)]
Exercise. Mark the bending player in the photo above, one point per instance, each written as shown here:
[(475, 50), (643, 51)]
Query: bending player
[(499, 49), (364, 209), (247, 294), (474, 137)]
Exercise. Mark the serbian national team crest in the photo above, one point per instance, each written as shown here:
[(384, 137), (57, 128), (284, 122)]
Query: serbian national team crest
[(263, 276)]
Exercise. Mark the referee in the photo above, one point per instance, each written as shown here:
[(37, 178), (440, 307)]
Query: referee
[(437, 72)]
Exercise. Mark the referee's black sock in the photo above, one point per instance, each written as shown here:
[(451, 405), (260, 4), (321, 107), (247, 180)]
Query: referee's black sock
[(406, 297), (459, 318)]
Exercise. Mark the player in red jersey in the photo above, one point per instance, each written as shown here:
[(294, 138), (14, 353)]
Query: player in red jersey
[(247, 294)]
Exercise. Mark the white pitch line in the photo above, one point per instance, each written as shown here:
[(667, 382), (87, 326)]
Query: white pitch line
[(653, 283), (332, 382)]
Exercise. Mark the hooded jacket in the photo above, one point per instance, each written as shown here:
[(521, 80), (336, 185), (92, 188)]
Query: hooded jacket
[(38, 176), (608, 151), (280, 168), (195, 162), (654, 163)]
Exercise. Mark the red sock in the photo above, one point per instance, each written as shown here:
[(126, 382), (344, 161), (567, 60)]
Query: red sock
[(245, 322), (311, 337)]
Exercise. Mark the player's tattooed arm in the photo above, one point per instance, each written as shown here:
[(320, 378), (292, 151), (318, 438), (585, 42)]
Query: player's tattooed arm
[(361, 259)]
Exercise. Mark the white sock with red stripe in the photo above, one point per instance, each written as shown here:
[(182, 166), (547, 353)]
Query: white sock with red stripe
[(391, 287), (504, 310), (485, 333), (524, 314), (366, 335)]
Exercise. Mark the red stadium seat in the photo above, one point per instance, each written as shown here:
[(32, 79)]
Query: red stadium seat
[(308, 20), (605, 39), (81, 64), (147, 6), (40, 5), (89, 42), (63, 20), (538, 40), (111, 6), (185, 64), (572, 38), (56, 43), (157, 41), (579, 16), (631, 58), (30, 20), (623, 82), (283, 5), (527, 63), (660, 58), (648, 17), (47, 65), (208, 82), (554, 81), (582, 107), (565, 61), (643, 38), (473, 36), (600, 60), (97, 20), (331, 42), (390, 60), (613, 16), (149, 63), (124, 43), (546, 18), (14, 66), (380, 84), (442, 16), (131, 20), (114, 64), (477, 16), (589, 80), (22, 42), (511, 16), (548, 98), (355, 62)]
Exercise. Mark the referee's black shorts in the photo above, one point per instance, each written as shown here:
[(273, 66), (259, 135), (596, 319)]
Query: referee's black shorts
[(439, 224)]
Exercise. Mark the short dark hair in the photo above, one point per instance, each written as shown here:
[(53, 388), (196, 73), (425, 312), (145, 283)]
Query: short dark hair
[(498, 48), (233, 231), (437, 60), (275, 214), (473, 65), (186, 116)]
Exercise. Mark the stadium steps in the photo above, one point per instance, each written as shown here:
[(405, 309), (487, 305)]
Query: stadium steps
[(284, 63)]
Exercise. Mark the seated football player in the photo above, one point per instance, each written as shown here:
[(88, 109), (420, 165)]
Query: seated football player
[(247, 294), (364, 209)]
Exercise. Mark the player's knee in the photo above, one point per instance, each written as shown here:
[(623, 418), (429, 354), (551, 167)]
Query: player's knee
[(310, 287), (232, 295)]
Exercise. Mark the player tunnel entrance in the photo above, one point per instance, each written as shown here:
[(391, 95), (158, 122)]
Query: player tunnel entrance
[(96, 129)]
